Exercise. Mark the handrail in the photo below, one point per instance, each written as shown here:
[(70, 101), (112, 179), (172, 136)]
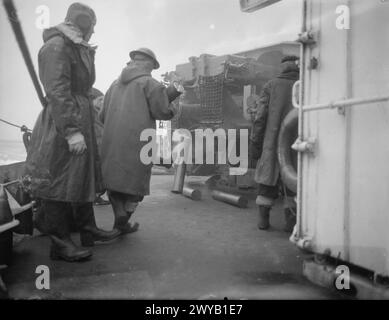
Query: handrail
[(341, 103), (295, 94)]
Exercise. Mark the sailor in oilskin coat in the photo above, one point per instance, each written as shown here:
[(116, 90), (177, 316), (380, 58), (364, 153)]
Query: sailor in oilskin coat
[(62, 158), (274, 104), (132, 103)]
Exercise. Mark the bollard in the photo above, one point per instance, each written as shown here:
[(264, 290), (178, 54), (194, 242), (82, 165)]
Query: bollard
[(233, 199), (179, 178), (193, 194)]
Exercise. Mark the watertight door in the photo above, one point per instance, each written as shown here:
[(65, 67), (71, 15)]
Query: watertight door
[(345, 183)]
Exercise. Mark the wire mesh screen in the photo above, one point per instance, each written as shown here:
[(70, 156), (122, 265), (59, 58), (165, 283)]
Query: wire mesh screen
[(211, 99)]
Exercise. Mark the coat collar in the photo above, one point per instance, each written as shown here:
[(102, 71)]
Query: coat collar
[(74, 34), (290, 75)]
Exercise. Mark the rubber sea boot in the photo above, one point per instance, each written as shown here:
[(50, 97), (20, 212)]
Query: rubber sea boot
[(89, 232), (125, 227), (290, 220), (263, 217), (123, 211), (65, 249)]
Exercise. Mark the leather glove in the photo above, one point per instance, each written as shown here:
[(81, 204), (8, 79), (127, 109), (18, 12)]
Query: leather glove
[(174, 91), (76, 143)]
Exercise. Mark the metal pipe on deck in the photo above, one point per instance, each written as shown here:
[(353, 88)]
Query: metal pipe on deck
[(194, 194), (179, 178), (236, 200)]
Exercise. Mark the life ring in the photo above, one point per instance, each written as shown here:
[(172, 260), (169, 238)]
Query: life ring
[(287, 157)]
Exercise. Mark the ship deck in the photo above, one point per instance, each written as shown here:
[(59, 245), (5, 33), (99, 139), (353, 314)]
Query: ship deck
[(184, 249)]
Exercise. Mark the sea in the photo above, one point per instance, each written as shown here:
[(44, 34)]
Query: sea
[(12, 151)]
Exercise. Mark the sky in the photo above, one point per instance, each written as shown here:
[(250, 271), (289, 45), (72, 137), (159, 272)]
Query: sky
[(174, 29)]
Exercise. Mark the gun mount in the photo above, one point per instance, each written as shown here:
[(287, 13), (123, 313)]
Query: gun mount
[(222, 92)]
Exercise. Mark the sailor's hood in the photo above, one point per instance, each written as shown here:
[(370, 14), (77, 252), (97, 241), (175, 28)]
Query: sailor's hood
[(50, 33), (289, 71), (130, 73)]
